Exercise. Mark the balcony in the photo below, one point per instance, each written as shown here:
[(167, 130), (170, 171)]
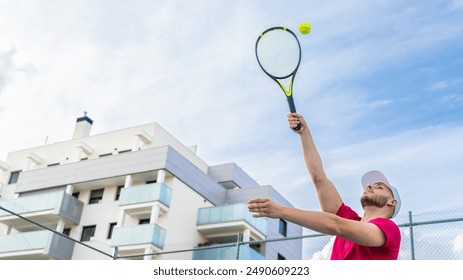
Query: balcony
[(138, 200), (45, 208), (185, 168), (92, 170), (227, 253), (35, 245), (134, 239), (229, 220)]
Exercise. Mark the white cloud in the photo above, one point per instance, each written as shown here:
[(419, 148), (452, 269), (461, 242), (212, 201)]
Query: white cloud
[(325, 253), (457, 4), (458, 244), (423, 164), (170, 75), (445, 84), (6, 67)]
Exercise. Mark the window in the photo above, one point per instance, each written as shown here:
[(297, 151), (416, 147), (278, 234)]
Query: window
[(14, 177), (283, 227), (144, 221), (76, 195), (118, 193), (151, 181), (280, 257), (124, 151), (96, 196), (111, 228), (67, 231), (87, 233), (53, 164), (255, 247)]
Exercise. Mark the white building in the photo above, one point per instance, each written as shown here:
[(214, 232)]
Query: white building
[(132, 192)]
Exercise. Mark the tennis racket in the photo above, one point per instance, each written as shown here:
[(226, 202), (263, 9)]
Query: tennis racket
[(279, 54)]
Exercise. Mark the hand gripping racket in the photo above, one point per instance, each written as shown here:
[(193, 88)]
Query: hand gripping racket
[(279, 54)]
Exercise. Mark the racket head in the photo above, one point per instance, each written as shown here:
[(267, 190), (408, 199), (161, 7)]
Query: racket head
[(278, 52)]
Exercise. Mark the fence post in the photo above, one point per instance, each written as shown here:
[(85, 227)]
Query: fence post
[(412, 241), (115, 252), (238, 240)]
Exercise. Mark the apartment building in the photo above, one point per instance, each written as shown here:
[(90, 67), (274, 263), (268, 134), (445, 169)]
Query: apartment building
[(134, 193)]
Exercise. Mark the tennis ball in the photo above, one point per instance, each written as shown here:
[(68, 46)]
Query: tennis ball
[(304, 28)]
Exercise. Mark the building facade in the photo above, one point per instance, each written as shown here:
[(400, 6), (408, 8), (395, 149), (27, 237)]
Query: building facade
[(134, 193)]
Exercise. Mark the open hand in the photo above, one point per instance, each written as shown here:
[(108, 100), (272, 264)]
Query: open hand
[(265, 207)]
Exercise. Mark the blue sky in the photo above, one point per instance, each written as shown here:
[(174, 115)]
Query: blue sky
[(380, 84)]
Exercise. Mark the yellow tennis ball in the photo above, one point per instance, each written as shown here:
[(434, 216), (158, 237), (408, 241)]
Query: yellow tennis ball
[(304, 28)]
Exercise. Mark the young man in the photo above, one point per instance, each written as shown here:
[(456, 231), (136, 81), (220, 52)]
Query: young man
[(370, 237)]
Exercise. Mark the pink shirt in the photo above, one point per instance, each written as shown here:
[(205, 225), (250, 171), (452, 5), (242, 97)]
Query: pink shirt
[(347, 250)]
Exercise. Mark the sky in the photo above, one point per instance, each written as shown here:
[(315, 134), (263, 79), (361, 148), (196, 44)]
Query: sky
[(380, 84)]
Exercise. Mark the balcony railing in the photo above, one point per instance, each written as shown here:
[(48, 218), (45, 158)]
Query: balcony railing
[(230, 213), (227, 253), (146, 193), (36, 244), (56, 203), (146, 234)]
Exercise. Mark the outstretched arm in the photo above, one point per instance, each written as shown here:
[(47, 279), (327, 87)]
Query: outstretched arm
[(366, 234), (329, 198)]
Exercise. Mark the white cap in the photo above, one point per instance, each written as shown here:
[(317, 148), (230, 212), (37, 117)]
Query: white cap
[(376, 176)]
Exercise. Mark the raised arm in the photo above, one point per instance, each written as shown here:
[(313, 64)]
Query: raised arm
[(329, 198), (362, 233)]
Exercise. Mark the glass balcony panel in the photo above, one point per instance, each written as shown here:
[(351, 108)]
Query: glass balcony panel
[(140, 234), (24, 241), (146, 193), (71, 208), (229, 213), (215, 215), (227, 253), (35, 203), (60, 202), (53, 245)]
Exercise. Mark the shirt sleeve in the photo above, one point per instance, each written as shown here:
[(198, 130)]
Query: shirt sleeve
[(390, 229), (345, 211)]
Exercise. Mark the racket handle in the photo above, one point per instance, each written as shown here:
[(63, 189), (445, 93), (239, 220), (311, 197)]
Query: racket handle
[(292, 109)]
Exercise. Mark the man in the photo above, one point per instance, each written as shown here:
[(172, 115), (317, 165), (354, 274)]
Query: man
[(372, 236)]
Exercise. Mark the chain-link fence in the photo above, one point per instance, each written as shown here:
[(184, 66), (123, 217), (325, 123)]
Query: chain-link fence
[(432, 236), (425, 236)]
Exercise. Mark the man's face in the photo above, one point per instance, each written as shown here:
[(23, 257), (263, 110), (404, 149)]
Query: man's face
[(377, 195)]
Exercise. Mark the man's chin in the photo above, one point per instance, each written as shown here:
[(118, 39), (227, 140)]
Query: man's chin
[(365, 200)]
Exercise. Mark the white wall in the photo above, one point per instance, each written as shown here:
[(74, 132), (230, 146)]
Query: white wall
[(180, 221), (111, 142), (101, 215)]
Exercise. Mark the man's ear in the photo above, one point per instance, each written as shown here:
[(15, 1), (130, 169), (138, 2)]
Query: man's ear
[(392, 202)]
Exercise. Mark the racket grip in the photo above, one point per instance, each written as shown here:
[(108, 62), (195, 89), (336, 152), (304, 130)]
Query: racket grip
[(292, 109)]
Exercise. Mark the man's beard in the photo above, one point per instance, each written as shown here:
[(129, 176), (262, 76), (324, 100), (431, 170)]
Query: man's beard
[(378, 201)]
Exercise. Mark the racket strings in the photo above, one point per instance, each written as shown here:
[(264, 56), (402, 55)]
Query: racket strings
[(278, 53)]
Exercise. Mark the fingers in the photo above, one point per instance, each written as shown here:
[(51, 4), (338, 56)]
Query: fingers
[(295, 115), (295, 120), (258, 200), (257, 206), (259, 215), (260, 206)]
